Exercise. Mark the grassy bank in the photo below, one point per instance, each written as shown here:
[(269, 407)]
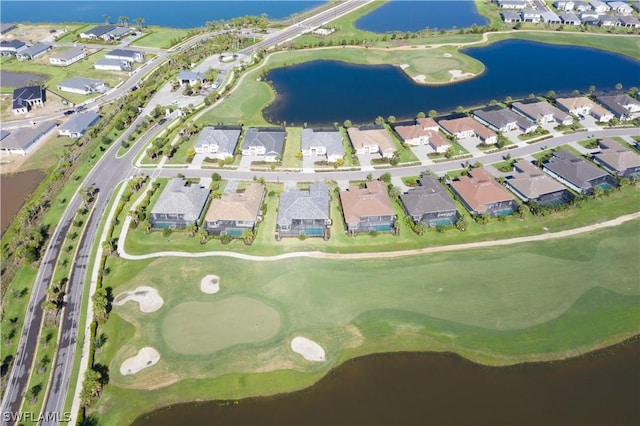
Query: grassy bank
[(499, 306)]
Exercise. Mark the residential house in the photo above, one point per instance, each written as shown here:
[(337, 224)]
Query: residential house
[(551, 18), (6, 27), (112, 65), (325, 143), (82, 86), (218, 143), (617, 159), (77, 125), (429, 203), (569, 19), (126, 55), (531, 184), (190, 78), (599, 6), (608, 21), (576, 173), (12, 47), (588, 18), (428, 123), (481, 193), (581, 6), (414, 135), (581, 105), (531, 15), (25, 139), (511, 17), (179, 205), (629, 21), (542, 112), (621, 105), (304, 212), (620, 7), (438, 142), (368, 209), (512, 4), (68, 56), (34, 51), (235, 213), (268, 142), (635, 5), (504, 120), (105, 32), (371, 140), (567, 6), (467, 127), (25, 98)]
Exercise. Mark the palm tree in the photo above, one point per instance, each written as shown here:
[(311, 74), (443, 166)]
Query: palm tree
[(204, 236), (123, 20), (140, 23), (106, 18), (191, 228)]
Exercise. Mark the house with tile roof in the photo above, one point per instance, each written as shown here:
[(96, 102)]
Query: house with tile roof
[(371, 140), (23, 140), (368, 209), (481, 193), (617, 159), (542, 112), (531, 184), (106, 64), (128, 55), (68, 56), (32, 52), (235, 213), (323, 143), (581, 105), (467, 127), (25, 98), (621, 105), (218, 143), (429, 203), (82, 86), (12, 47), (77, 125), (267, 143), (304, 212), (179, 205), (504, 120), (576, 173)]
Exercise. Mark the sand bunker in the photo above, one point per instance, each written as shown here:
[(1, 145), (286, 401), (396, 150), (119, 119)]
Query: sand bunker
[(447, 55), (420, 78), (458, 74), (310, 350), (210, 284), (403, 66), (146, 357), (147, 297)]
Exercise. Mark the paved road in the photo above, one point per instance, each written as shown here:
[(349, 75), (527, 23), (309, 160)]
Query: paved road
[(105, 176)]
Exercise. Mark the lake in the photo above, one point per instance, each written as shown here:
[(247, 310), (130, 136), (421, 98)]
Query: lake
[(322, 92), (16, 188), (600, 388), (176, 14), (399, 15)]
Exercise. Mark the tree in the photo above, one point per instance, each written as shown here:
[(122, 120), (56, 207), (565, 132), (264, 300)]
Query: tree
[(91, 387), (391, 119), (32, 394), (347, 123), (508, 99), (123, 20), (592, 89), (140, 23), (106, 18), (421, 114), (204, 236), (459, 108), (379, 120), (618, 86), (433, 113), (191, 229), (101, 305), (551, 94), (461, 224), (386, 177)]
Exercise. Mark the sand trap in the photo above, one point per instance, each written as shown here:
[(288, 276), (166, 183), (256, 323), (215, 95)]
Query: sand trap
[(458, 74), (310, 350), (447, 55), (420, 78), (147, 297), (403, 66), (210, 284), (146, 357)]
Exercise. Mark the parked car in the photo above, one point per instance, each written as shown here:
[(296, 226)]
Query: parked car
[(69, 112)]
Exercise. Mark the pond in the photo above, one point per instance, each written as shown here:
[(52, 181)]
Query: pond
[(16, 188), (323, 92), (600, 388), (399, 15)]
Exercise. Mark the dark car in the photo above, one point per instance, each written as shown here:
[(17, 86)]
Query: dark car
[(81, 108), (69, 112)]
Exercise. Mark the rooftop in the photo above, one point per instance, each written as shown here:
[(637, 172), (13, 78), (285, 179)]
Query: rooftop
[(225, 139), (370, 201), (272, 140), (380, 137), (301, 204), (463, 124), (79, 122), (180, 199), (429, 197), (332, 141), (69, 53), (237, 206), (532, 182), (479, 188), (617, 156), (573, 169)]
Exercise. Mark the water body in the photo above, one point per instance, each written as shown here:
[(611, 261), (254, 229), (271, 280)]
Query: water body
[(16, 188), (322, 92), (175, 14), (399, 15), (600, 388)]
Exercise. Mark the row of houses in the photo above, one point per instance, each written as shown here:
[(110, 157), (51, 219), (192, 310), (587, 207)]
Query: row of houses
[(22, 141), (21, 50), (368, 207), (106, 33), (609, 14)]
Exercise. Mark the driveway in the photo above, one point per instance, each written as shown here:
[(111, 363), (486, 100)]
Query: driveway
[(246, 160), (421, 151), (308, 162), (470, 145), (365, 160)]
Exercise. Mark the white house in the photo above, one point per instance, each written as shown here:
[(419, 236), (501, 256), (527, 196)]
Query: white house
[(112, 65), (599, 6), (68, 57), (327, 143), (82, 86), (24, 139), (567, 6), (620, 7), (217, 143), (34, 51), (190, 78), (77, 125), (126, 55)]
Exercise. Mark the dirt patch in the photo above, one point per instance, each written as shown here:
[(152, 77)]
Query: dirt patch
[(356, 334), (38, 33)]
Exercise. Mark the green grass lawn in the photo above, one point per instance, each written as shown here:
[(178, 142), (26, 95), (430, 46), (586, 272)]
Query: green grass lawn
[(161, 37), (47, 153), (498, 305)]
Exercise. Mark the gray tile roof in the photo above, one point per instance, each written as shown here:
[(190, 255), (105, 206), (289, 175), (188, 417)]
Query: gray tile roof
[(23, 137), (272, 140), (112, 62), (225, 139), (15, 44), (190, 75), (79, 122), (180, 199), (532, 182), (35, 50), (332, 141), (499, 118), (616, 103), (125, 53), (23, 94), (301, 204), (573, 169), (80, 83), (429, 197), (100, 30), (617, 156), (70, 53)]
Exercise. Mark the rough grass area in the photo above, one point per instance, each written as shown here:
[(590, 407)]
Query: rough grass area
[(162, 38), (499, 305)]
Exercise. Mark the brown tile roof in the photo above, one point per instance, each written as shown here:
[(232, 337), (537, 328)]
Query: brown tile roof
[(436, 139), (467, 123), (427, 123), (617, 156), (577, 102), (533, 182), (380, 137), (243, 206), (373, 200), (412, 132), (479, 189)]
